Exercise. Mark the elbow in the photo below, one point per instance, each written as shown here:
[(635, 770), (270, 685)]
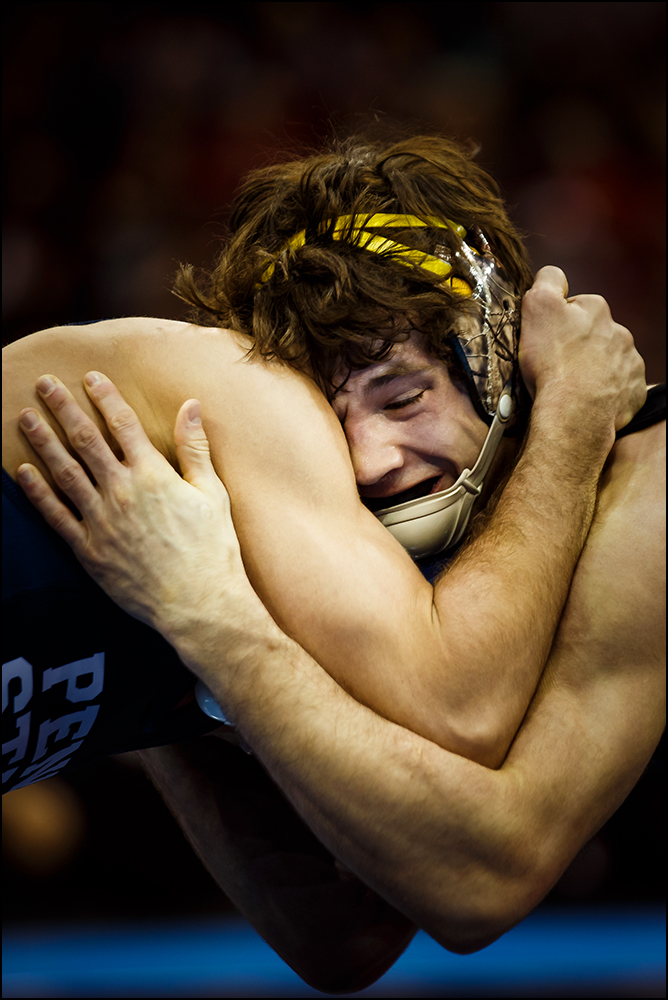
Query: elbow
[(492, 899), (467, 932), (358, 960), (342, 978), (480, 737), (471, 931), (334, 982)]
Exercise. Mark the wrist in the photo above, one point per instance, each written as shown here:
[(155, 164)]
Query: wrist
[(226, 645), (573, 424)]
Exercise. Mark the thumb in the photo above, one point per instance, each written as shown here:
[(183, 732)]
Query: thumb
[(192, 447), (551, 277)]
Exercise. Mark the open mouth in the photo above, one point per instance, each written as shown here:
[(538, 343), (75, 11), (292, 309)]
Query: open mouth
[(422, 489)]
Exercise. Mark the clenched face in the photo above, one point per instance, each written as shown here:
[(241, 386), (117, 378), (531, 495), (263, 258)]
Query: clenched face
[(411, 428)]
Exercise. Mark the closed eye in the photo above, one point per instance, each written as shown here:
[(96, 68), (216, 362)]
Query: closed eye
[(401, 404)]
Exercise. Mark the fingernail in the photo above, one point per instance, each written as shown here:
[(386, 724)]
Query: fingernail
[(25, 474), (194, 414), (29, 420), (92, 378), (45, 385)]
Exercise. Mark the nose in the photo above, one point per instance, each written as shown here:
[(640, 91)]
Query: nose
[(374, 449)]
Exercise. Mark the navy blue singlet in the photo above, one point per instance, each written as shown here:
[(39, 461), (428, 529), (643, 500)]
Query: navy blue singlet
[(80, 678)]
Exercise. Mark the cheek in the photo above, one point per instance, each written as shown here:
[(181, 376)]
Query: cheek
[(435, 433), (454, 432), (471, 427), (476, 430)]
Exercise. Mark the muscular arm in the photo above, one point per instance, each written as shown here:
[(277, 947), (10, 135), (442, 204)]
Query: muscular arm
[(457, 664), (462, 850), (331, 929), (465, 851)]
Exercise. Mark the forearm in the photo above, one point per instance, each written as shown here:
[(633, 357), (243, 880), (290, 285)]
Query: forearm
[(400, 812), (329, 927), (464, 851), (499, 604)]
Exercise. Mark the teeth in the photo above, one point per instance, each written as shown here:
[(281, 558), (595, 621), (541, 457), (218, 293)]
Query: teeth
[(419, 490)]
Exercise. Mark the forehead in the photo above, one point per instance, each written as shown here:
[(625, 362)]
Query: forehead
[(405, 359)]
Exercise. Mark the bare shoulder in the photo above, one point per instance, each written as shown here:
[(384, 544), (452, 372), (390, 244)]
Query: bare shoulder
[(263, 419), (251, 406), (68, 339), (72, 350), (125, 349)]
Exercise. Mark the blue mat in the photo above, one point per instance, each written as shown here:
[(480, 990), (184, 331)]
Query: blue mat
[(560, 949)]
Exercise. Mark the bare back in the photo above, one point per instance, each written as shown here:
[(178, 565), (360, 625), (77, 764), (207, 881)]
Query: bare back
[(149, 359)]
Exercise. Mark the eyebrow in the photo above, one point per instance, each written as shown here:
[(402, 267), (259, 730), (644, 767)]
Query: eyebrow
[(399, 369), (395, 370)]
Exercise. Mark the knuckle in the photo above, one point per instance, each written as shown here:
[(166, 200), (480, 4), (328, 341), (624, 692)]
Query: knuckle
[(58, 520), (596, 303), (122, 420), (84, 437), (68, 476), (535, 293), (122, 497), (543, 297), (35, 488), (40, 435), (200, 445)]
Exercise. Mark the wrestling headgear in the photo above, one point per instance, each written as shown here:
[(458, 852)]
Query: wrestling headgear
[(485, 343)]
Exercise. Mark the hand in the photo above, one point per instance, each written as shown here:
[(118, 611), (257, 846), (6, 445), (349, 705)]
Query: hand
[(153, 541), (573, 350)]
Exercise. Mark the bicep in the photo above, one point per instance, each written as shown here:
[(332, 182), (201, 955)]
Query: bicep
[(331, 576), (354, 601)]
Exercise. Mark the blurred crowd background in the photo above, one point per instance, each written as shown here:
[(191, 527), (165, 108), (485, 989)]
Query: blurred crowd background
[(127, 129)]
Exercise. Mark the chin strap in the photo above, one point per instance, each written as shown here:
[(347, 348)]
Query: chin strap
[(432, 524), (473, 481)]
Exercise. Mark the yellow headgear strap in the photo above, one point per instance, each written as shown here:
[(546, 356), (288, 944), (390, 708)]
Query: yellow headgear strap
[(356, 229)]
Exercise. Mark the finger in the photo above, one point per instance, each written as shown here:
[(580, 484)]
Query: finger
[(68, 474), (56, 514), (120, 418), (83, 433), (595, 305), (193, 451), (551, 277)]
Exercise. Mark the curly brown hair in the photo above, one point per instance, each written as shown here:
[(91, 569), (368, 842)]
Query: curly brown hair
[(329, 305)]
